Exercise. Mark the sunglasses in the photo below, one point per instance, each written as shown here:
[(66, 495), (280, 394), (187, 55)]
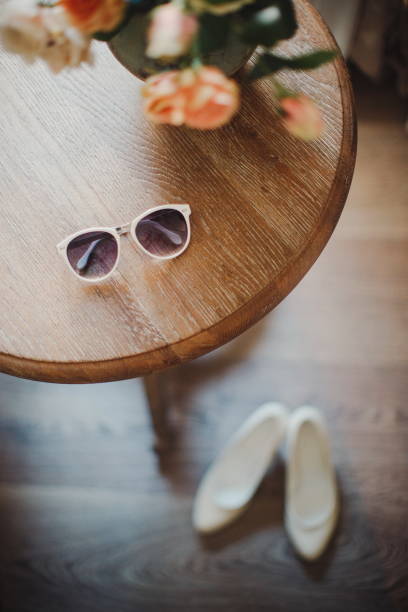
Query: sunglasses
[(163, 232)]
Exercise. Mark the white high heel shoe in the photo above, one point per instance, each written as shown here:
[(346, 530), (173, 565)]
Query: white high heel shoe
[(233, 478), (312, 505)]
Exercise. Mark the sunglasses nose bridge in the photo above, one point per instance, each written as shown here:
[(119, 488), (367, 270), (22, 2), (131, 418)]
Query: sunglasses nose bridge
[(123, 229)]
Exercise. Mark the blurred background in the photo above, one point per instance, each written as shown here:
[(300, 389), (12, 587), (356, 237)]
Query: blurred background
[(93, 520)]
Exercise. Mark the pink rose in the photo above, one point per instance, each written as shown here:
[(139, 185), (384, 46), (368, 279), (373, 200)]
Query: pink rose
[(301, 117), (171, 32), (204, 98)]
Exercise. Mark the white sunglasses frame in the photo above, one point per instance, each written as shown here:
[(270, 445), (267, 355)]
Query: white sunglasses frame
[(121, 230)]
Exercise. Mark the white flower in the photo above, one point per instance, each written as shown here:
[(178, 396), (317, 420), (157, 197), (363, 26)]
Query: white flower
[(218, 8), (42, 32)]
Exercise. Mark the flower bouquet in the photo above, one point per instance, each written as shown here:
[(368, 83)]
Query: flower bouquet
[(183, 87)]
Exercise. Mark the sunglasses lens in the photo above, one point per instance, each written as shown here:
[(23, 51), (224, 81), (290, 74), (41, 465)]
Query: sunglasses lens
[(163, 232), (93, 254)]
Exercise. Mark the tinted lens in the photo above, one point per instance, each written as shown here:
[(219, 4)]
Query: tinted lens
[(163, 232), (93, 254)]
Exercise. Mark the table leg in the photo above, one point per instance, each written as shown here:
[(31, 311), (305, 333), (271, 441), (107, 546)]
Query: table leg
[(155, 390)]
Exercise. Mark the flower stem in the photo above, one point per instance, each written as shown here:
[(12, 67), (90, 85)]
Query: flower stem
[(280, 90), (196, 61)]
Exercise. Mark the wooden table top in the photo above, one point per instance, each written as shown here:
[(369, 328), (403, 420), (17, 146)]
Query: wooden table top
[(77, 152)]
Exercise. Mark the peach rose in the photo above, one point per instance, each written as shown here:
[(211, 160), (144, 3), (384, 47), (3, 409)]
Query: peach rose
[(301, 117), (171, 32), (203, 98), (91, 16)]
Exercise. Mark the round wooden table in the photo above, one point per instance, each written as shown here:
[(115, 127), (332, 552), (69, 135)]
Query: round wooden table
[(77, 152)]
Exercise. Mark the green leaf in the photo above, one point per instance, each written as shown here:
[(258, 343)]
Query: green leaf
[(263, 68), (309, 61), (213, 33), (267, 22), (268, 63)]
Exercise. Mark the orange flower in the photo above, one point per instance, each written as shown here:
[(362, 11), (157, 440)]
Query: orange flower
[(165, 98), (204, 98), (213, 99), (91, 16), (301, 117)]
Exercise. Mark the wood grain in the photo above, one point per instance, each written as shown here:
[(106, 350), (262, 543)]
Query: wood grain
[(77, 152), (90, 522)]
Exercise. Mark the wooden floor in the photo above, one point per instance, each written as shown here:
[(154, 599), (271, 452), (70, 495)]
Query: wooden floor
[(91, 522)]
